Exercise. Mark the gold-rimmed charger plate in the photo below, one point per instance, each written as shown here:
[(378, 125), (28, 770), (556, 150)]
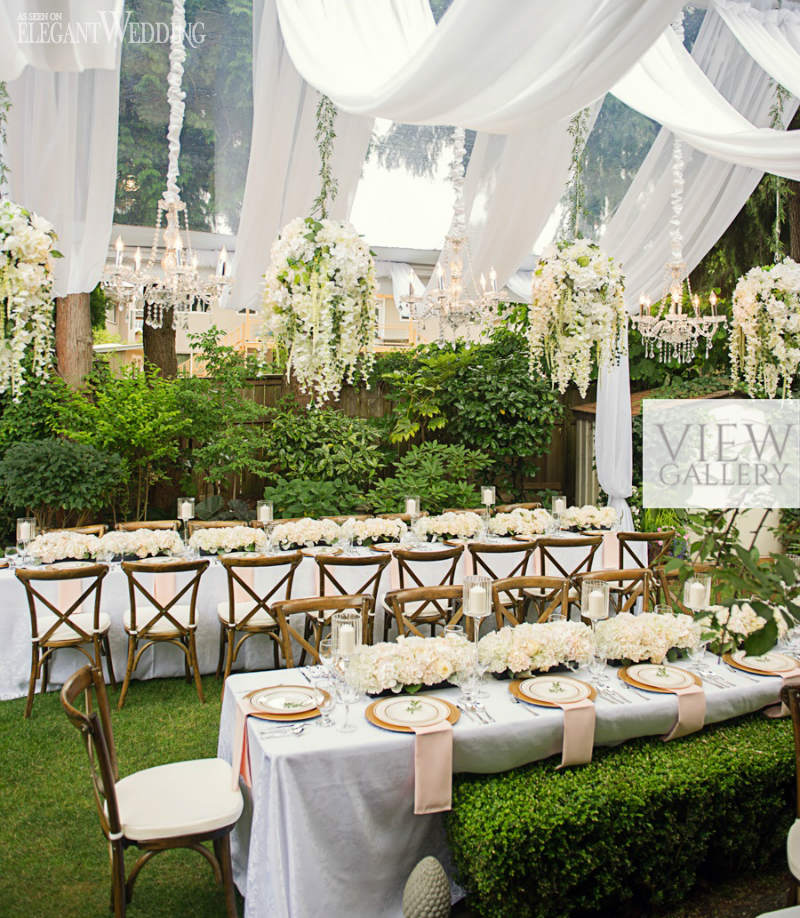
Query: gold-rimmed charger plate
[(515, 687), (289, 715), (784, 663), (453, 713), (309, 552), (626, 677)]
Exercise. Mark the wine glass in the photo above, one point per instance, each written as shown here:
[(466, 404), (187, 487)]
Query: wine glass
[(697, 655), (325, 699), (347, 694), (325, 651)]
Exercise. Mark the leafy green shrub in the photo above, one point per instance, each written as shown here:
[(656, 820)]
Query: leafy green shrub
[(788, 530), (59, 481), (313, 497), (438, 472), (322, 443), (36, 415), (638, 825)]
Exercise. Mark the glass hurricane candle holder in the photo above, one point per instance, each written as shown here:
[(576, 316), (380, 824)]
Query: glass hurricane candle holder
[(185, 513), (412, 507), (264, 512), (477, 601), (345, 633), (697, 592), (558, 505), (594, 600), (26, 530)]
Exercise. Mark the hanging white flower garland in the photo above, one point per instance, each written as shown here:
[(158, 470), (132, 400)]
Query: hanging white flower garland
[(765, 339), (319, 304), (26, 281), (577, 311)]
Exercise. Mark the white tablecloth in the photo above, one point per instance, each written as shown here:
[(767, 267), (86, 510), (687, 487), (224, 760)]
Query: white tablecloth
[(166, 660), (329, 828)]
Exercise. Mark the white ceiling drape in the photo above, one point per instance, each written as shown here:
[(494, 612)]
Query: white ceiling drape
[(770, 37), (282, 175), (62, 134), (495, 66)]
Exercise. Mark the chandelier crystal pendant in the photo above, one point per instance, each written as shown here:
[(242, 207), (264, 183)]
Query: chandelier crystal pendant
[(453, 296), (671, 333), (178, 284)]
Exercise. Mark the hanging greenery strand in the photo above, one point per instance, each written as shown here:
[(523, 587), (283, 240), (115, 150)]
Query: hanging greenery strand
[(776, 122), (578, 130), (5, 106), (325, 135)]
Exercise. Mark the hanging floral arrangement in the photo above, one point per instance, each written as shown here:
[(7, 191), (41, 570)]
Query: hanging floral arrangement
[(577, 314), (26, 281), (319, 304), (765, 338)]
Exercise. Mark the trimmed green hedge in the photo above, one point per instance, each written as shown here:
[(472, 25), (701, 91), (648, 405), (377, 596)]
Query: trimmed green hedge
[(640, 824)]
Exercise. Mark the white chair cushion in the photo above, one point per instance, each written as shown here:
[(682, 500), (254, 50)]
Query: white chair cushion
[(84, 620), (146, 612), (793, 849), (182, 798), (240, 610)]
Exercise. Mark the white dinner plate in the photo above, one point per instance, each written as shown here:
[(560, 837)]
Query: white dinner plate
[(69, 565), (284, 699), (770, 662), (663, 677), (410, 711), (554, 689)]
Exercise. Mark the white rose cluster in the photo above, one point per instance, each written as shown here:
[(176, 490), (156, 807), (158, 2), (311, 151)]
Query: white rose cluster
[(374, 531), (26, 280), (319, 303), (577, 311), (521, 522), (448, 526), (589, 517), (765, 340), (61, 544), (537, 647), (646, 637), (228, 538), (143, 543), (409, 661), (305, 533)]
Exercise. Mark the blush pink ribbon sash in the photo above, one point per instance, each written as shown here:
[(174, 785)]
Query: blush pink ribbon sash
[(247, 574), (69, 591), (433, 768), (610, 551), (792, 677), (240, 751), (164, 587), (691, 712), (578, 742)]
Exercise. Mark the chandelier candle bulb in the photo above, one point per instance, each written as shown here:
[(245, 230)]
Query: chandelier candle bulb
[(137, 259), (483, 283), (222, 262), (493, 280), (119, 246)]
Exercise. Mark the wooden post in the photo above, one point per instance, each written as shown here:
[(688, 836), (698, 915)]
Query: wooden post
[(73, 338)]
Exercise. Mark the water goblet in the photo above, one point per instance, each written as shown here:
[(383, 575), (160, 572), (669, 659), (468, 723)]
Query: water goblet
[(347, 694), (12, 555), (325, 699), (597, 664), (697, 655), (325, 651), (455, 632), (662, 608)]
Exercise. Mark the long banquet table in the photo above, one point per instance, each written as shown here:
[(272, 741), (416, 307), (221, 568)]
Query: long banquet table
[(165, 660), (329, 828)]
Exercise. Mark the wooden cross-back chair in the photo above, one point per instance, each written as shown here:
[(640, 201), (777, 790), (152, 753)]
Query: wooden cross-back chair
[(148, 524), (258, 524), (413, 571), (512, 596), (481, 553), (152, 622), (194, 525), (551, 566), (334, 568), (656, 546), (479, 510), (95, 529), (318, 610), (626, 587), (426, 606), (54, 627), (247, 610), (507, 508), (179, 805), (349, 516)]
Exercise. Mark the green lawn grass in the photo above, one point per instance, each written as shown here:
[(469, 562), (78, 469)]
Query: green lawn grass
[(53, 856)]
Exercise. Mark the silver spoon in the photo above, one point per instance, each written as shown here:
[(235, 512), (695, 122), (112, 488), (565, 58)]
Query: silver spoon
[(293, 730)]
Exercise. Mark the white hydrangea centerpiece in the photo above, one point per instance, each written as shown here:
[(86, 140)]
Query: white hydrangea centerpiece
[(521, 522), (26, 281), (228, 538), (141, 543), (319, 304), (577, 313), (374, 531), (448, 526), (527, 648), (648, 637), (305, 533), (589, 518), (63, 545), (765, 339)]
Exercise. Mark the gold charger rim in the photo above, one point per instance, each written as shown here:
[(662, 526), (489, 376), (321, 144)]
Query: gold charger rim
[(299, 715), (453, 715), (622, 673), (514, 688), (728, 658)]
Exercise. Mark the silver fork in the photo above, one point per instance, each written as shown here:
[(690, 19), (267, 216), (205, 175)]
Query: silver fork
[(468, 712), (526, 707), (480, 707)]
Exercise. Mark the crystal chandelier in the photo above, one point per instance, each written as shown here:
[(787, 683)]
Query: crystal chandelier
[(453, 296), (178, 285), (672, 334)]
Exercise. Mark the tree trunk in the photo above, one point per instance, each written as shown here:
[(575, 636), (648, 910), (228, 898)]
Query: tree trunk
[(158, 345), (73, 338)]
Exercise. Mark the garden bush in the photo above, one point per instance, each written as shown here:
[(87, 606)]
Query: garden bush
[(313, 497), (61, 482), (638, 826), (439, 473)]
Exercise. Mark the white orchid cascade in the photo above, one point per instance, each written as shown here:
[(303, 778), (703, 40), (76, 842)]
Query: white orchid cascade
[(26, 282)]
